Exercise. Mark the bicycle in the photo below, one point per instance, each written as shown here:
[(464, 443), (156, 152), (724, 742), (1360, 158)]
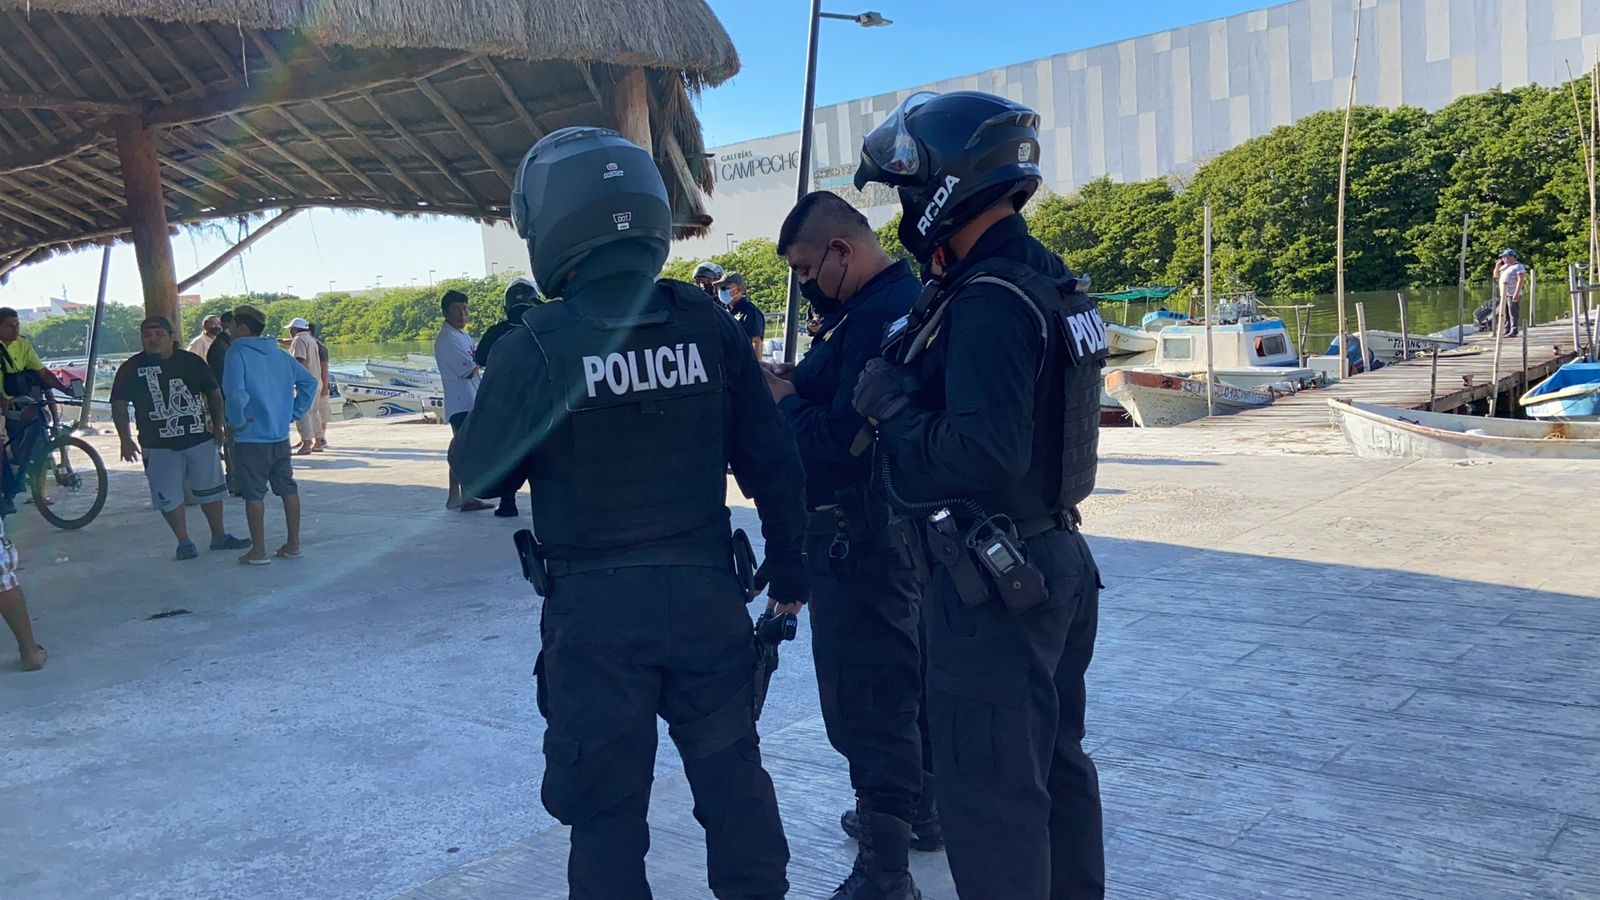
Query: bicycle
[(57, 464)]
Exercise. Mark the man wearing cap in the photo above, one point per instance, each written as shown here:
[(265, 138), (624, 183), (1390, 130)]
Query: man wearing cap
[(170, 390), (303, 348), (1512, 276), (747, 314)]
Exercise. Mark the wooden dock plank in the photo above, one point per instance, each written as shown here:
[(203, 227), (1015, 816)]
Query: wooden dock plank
[(1464, 377)]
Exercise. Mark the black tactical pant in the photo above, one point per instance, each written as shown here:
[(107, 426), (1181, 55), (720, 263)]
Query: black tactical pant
[(867, 647), (1018, 797), (622, 646)]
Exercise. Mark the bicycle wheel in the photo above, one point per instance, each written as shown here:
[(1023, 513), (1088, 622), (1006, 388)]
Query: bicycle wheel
[(69, 483)]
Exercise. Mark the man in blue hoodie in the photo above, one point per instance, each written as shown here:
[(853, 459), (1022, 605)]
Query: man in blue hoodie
[(265, 391)]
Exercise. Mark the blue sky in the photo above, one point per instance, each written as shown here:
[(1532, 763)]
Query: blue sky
[(929, 40)]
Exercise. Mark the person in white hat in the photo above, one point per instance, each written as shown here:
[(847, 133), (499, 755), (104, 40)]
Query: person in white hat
[(303, 347)]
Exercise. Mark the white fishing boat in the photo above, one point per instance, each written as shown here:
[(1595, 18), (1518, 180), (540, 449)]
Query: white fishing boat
[(1247, 351), (1127, 341), (1387, 432), (423, 361), (1158, 400), (363, 400), (403, 376), (1384, 346)]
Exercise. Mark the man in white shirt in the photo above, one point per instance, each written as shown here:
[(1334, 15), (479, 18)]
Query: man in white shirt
[(452, 353), (1513, 277), (304, 349)]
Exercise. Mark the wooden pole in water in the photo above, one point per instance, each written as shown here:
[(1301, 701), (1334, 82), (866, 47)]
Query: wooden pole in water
[(1499, 338), (1594, 138), (1405, 332), (1344, 181), (1586, 143), (1433, 381), (1461, 284), (1211, 369), (1527, 320), (1575, 297), (1361, 337)]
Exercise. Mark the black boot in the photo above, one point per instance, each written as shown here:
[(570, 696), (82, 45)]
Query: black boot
[(926, 833), (881, 871)]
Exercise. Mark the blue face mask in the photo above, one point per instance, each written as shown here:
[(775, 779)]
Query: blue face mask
[(725, 295)]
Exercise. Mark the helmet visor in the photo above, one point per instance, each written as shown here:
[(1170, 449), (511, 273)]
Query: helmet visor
[(890, 154)]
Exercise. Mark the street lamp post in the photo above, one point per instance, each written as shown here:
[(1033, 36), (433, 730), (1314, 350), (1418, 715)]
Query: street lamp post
[(430, 278), (730, 242), (791, 324), (330, 285)]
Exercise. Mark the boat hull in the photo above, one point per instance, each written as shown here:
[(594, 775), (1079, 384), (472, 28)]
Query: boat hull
[(1383, 432), (1125, 341), (1155, 400), (1572, 394)]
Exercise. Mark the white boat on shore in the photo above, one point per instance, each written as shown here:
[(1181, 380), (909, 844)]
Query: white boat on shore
[(1126, 341), (368, 400), (1386, 432), (403, 376), (1158, 400)]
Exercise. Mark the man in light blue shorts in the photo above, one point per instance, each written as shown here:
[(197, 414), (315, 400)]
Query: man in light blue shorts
[(171, 390)]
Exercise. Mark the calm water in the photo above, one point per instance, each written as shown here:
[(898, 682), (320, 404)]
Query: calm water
[(1427, 310)]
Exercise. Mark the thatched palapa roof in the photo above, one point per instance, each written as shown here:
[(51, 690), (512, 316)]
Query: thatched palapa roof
[(408, 106)]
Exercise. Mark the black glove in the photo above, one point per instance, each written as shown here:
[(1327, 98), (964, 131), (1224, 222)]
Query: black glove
[(785, 578), (881, 392)]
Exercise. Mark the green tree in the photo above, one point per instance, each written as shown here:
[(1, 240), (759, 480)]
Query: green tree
[(889, 236), (1122, 235), (66, 335), (766, 275)]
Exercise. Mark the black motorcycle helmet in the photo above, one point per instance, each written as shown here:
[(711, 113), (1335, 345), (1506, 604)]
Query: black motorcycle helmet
[(708, 270), (952, 156), (582, 189), (520, 294)]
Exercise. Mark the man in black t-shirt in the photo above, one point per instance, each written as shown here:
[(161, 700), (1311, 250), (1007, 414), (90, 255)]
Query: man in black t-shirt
[(169, 389)]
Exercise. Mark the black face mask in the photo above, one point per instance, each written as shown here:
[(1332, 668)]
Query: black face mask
[(813, 293)]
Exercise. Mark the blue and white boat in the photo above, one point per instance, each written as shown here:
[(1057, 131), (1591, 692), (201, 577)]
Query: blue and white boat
[(1572, 394), (1156, 320)]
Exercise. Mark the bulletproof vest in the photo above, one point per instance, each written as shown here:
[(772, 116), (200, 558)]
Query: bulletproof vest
[(635, 450), (1066, 396)]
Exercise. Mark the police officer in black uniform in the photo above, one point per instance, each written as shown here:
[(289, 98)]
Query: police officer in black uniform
[(604, 402), (864, 560), (987, 410), (520, 294)]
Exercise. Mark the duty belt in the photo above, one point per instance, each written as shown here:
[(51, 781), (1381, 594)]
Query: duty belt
[(1066, 520), (713, 556)]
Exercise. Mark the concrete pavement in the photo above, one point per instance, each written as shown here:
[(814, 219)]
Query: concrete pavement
[(1317, 676)]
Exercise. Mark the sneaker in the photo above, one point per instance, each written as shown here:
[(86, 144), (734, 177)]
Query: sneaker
[(188, 550)]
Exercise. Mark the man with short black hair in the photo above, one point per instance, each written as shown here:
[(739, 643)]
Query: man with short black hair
[(866, 591), (453, 351), (264, 390), (747, 314), (170, 389)]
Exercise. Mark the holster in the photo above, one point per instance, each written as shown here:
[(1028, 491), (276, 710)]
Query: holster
[(744, 564), (535, 569), (950, 552)]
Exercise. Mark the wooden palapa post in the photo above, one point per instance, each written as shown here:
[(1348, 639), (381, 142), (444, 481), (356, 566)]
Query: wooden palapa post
[(147, 217), (630, 98)]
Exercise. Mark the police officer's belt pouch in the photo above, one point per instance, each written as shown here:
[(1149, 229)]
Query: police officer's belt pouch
[(1004, 560), (949, 551), (744, 564)]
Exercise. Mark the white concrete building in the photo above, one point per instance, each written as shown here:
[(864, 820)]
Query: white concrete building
[(1161, 103)]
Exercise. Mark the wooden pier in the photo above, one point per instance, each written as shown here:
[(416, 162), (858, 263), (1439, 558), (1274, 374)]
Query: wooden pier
[(1465, 376)]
